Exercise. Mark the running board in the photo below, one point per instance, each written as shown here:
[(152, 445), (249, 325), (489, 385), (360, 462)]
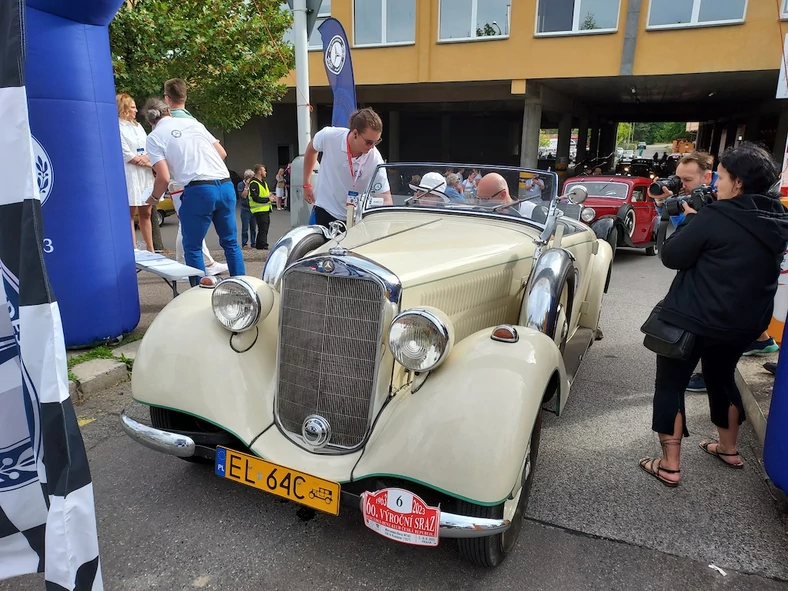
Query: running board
[(575, 351)]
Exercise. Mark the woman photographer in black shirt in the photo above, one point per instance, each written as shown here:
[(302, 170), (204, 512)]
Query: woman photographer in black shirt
[(728, 259)]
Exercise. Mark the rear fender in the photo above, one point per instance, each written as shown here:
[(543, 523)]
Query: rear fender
[(465, 430), (186, 362)]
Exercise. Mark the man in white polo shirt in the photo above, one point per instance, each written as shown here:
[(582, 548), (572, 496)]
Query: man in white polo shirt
[(349, 161), (184, 148)]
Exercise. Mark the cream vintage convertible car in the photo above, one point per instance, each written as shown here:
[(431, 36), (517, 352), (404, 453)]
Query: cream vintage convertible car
[(399, 363)]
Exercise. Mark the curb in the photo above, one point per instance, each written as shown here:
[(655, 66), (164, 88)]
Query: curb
[(756, 417), (754, 413), (95, 375)]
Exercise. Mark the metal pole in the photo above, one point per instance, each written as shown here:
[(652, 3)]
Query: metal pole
[(301, 40)]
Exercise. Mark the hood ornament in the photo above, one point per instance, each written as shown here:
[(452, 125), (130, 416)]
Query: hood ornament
[(337, 231)]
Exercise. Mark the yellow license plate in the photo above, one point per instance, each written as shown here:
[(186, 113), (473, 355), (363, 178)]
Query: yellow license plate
[(287, 483)]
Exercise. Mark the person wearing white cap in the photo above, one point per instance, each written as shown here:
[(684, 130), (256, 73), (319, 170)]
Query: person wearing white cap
[(431, 189)]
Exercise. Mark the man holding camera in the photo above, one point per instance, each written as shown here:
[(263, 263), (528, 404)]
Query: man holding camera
[(696, 170)]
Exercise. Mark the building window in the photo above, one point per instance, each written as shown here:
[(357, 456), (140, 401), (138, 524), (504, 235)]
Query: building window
[(785, 9), (315, 41), (577, 16), (473, 19), (671, 14), (384, 22)]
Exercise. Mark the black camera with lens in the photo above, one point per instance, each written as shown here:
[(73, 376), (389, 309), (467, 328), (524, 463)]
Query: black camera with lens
[(672, 184), (699, 197)]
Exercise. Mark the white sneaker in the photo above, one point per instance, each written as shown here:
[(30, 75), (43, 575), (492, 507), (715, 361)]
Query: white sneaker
[(216, 269)]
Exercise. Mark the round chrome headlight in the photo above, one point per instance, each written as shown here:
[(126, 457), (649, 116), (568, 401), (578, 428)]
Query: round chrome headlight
[(588, 214), (236, 305), (420, 339)]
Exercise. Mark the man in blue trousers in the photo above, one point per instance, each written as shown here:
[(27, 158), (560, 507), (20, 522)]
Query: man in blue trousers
[(184, 148)]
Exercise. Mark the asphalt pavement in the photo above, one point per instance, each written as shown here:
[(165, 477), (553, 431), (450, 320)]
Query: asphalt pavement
[(595, 520)]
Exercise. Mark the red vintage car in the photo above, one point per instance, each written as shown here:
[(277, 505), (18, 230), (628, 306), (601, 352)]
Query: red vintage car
[(619, 210)]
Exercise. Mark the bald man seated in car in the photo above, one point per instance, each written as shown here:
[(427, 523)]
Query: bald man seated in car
[(494, 192)]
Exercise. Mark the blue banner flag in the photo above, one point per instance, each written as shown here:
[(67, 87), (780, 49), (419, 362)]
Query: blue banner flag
[(339, 69)]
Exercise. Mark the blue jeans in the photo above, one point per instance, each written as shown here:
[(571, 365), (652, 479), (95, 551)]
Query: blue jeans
[(201, 205), (248, 227)]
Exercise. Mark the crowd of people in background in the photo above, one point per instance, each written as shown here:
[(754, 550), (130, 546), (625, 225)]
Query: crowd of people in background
[(189, 159)]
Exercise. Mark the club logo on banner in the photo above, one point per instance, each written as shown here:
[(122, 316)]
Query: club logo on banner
[(339, 70), (335, 55), (45, 176)]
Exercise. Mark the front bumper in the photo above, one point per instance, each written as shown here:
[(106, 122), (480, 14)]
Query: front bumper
[(183, 446)]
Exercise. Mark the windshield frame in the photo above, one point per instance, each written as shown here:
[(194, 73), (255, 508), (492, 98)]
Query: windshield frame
[(363, 208), (568, 186)]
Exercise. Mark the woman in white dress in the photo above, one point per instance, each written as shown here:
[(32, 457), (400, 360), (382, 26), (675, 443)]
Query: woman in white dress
[(139, 173)]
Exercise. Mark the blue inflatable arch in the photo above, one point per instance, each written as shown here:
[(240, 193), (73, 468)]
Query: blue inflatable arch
[(79, 167)]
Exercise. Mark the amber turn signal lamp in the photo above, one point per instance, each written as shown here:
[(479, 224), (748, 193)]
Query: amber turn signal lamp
[(505, 333), (209, 281)]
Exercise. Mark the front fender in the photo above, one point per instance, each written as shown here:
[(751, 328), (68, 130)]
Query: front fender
[(603, 226), (465, 431), (185, 362)]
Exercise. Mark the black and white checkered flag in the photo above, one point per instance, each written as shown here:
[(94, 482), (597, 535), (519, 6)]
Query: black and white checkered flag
[(47, 515)]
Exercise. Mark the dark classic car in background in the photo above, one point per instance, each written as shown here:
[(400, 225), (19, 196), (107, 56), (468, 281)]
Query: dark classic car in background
[(619, 210)]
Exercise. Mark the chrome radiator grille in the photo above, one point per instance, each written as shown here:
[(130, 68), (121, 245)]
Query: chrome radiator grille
[(330, 328)]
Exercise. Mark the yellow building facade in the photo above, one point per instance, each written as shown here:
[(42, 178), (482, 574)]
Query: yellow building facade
[(474, 80)]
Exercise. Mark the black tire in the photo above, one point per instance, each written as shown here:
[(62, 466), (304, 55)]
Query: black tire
[(491, 551), (651, 251), (163, 418), (159, 218), (612, 240)]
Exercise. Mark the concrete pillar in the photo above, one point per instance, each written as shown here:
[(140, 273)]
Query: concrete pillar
[(781, 137), (532, 123), (582, 140), (607, 138), (730, 136), (703, 137), (393, 136), (752, 129), (716, 136), (593, 149), (562, 151), (445, 137)]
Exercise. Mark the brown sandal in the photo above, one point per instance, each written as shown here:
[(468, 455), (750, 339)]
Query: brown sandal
[(704, 445), (647, 465)]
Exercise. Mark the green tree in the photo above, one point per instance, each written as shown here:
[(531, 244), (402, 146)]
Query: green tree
[(544, 140), (667, 132), (230, 54), (589, 22), (623, 133)]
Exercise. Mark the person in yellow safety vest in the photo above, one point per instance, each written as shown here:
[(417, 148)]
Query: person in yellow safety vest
[(259, 196)]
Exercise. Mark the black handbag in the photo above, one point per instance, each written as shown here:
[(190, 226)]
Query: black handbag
[(665, 339)]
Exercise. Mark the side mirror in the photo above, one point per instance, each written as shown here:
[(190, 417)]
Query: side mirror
[(578, 194)]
